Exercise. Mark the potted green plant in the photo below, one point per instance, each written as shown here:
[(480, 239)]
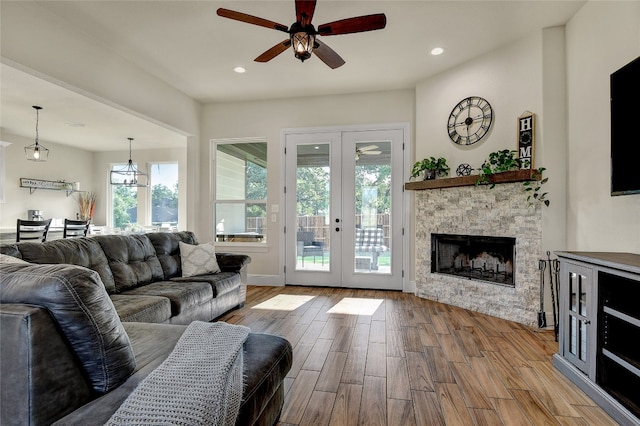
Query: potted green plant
[(498, 161), (431, 168)]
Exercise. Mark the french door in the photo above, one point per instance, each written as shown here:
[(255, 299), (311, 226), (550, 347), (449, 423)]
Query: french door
[(344, 214)]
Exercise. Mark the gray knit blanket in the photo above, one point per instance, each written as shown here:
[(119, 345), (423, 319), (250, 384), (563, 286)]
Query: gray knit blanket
[(200, 383)]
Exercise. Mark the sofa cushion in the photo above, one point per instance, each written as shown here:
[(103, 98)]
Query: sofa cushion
[(5, 258), (77, 300), (182, 296), (11, 250), (132, 259), (221, 283), (132, 308), (198, 259), (74, 251), (168, 250)]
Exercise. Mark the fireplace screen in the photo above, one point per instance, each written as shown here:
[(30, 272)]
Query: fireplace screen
[(474, 257)]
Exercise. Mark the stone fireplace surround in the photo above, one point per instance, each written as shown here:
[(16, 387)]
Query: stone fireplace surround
[(500, 212)]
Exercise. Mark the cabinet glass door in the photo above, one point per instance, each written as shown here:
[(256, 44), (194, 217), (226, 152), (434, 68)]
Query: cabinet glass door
[(579, 314)]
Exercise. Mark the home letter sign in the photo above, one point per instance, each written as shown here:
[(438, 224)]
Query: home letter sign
[(526, 139)]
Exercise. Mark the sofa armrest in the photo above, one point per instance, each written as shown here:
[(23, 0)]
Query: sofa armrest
[(231, 262), (41, 378)]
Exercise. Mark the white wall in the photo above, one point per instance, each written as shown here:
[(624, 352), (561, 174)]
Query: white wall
[(601, 37), (515, 78), (54, 204), (267, 119), (89, 168), (32, 38)]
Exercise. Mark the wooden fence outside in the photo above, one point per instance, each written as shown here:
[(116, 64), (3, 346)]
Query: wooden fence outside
[(320, 228)]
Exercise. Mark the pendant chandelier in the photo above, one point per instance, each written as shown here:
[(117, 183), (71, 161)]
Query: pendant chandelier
[(36, 152), (129, 175)]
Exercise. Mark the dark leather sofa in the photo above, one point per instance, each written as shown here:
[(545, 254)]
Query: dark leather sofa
[(67, 358), (143, 276)]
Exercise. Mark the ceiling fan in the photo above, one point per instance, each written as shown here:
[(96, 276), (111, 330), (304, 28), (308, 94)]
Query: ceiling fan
[(367, 150), (302, 34)]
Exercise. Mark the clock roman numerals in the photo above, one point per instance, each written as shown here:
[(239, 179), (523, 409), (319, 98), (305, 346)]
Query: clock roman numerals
[(470, 120)]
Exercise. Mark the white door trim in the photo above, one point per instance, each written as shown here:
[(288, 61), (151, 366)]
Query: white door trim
[(405, 127)]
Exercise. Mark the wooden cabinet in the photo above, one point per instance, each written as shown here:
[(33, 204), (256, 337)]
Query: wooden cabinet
[(600, 329)]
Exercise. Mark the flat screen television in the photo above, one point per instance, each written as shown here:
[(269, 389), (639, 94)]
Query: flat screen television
[(625, 129)]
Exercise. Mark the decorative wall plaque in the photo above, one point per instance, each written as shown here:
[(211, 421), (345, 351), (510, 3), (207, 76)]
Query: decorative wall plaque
[(56, 185), (526, 139)]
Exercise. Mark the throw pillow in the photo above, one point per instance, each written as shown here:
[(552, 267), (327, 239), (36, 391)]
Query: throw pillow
[(198, 259)]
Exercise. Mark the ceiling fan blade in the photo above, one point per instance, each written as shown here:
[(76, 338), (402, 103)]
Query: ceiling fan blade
[(274, 51), (249, 19), (328, 55), (368, 147), (354, 25), (304, 11), (371, 152)]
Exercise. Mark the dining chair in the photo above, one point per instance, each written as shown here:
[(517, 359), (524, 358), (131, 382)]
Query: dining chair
[(75, 228), (32, 230)]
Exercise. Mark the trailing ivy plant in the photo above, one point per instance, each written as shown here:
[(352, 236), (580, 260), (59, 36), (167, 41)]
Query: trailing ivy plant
[(507, 160), (534, 188)]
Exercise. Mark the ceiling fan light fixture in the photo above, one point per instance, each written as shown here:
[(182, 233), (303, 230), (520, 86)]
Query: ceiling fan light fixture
[(302, 43), (35, 151)]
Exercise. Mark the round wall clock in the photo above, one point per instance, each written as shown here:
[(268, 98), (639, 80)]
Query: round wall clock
[(470, 120)]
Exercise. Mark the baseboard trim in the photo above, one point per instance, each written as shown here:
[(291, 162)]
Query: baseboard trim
[(265, 280)]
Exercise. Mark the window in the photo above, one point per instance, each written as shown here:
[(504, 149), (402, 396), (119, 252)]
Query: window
[(164, 195), (240, 191), (124, 203)]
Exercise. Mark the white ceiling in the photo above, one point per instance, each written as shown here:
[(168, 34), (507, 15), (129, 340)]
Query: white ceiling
[(191, 48)]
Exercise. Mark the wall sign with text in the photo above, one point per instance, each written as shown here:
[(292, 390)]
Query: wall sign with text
[(56, 185), (526, 139)]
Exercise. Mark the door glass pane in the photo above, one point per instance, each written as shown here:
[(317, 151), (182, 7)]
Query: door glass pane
[(573, 284), (573, 332), (313, 176), (373, 207), (583, 295), (583, 341)]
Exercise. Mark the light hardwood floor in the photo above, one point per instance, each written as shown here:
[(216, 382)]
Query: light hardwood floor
[(365, 357)]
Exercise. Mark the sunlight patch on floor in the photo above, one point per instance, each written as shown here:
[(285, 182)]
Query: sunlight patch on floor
[(284, 302), (356, 306)]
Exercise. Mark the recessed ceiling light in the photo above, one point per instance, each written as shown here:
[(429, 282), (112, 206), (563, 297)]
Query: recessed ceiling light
[(239, 70), (316, 147), (437, 51)]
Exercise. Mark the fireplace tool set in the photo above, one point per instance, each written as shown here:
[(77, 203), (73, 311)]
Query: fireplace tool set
[(552, 266)]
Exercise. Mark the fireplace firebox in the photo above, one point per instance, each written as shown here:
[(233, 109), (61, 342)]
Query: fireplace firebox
[(474, 257)]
